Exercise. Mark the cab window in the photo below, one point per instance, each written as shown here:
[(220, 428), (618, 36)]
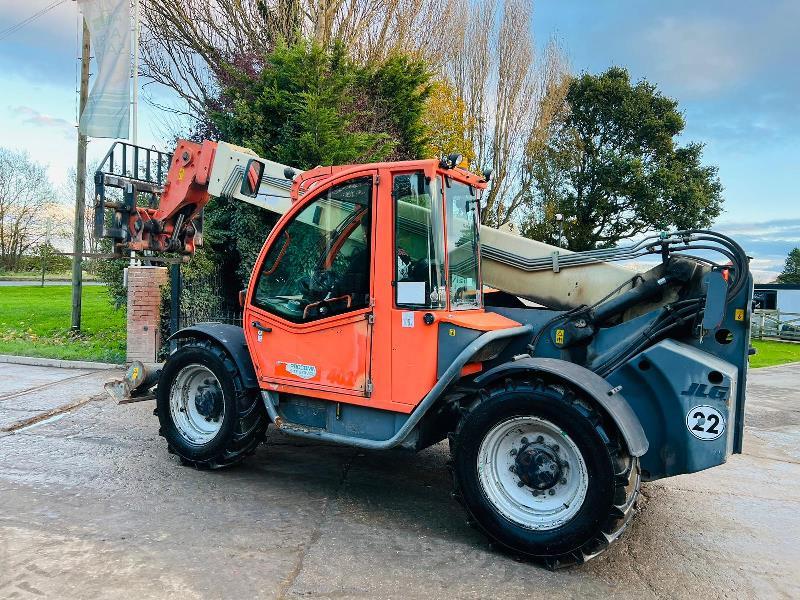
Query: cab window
[(319, 265), (419, 244), (462, 245)]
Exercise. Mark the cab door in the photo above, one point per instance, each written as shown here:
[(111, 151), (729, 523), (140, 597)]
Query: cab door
[(308, 319), (420, 292)]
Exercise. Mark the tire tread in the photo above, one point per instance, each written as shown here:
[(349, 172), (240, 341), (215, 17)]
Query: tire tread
[(251, 418), (627, 476)]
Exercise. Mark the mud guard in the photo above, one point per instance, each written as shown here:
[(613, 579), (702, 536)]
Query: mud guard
[(231, 338), (609, 398)]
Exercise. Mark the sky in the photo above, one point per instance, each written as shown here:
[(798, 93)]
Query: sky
[(731, 64)]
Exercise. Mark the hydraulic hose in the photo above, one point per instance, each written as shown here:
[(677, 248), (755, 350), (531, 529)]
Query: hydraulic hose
[(674, 315)]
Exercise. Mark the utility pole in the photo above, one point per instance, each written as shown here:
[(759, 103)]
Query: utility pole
[(45, 249), (80, 188)]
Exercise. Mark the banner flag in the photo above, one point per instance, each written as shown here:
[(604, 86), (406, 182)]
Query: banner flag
[(107, 111)]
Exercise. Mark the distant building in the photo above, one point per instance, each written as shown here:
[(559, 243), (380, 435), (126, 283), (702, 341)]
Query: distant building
[(784, 297)]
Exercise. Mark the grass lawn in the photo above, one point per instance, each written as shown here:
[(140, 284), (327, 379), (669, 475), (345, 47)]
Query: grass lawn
[(35, 321), (772, 353)]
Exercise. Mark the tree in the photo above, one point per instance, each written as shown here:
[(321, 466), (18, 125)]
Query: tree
[(791, 269), (612, 166), (26, 200), (447, 123), (481, 50), (492, 66), (312, 106), (189, 46)]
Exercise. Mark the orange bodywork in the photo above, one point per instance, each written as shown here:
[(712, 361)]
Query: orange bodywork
[(185, 193), (364, 357)]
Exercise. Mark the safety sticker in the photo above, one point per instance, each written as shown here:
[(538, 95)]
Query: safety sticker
[(559, 336), (705, 422), (738, 314), (408, 319), (301, 371)]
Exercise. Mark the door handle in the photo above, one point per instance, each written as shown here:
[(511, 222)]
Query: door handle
[(260, 327)]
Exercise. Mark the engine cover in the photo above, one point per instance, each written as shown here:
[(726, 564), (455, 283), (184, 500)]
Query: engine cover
[(685, 399)]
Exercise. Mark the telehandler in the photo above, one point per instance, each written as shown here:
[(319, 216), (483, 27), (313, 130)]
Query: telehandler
[(381, 314)]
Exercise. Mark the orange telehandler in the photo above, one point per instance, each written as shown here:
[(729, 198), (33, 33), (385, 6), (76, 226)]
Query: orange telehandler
[(369, 321)]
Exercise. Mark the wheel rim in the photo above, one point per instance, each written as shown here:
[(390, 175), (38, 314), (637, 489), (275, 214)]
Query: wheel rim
[(532, 472), (196, 404)]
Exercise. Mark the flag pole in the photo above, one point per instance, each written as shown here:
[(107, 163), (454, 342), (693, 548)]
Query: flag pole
[(135, 120), (135, 108)]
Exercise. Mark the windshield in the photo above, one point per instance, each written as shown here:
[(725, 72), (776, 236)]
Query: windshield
[(462, 245)]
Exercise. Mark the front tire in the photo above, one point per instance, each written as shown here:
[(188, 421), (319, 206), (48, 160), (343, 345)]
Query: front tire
[(209, 419), (542, 474)]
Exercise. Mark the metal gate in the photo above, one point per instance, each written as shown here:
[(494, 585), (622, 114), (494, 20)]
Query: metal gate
[(200, 299), (775, 324)]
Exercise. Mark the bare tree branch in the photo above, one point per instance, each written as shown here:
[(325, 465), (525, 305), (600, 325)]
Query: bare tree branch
[(189, 46)]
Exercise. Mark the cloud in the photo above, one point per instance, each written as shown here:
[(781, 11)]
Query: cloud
[(778, 231), (700, 50), (34, 117), (44, 50), (701, 56), (767, 242), (31, 116), (753, 119), (732, 64)]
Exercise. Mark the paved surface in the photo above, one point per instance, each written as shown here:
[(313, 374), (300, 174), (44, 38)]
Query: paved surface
[(92, 506)]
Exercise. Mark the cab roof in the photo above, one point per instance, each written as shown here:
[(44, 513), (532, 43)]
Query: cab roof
[(319, 176)]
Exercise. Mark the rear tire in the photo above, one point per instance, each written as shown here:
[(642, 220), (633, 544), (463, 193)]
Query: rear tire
[(209, 419), (542, 474)]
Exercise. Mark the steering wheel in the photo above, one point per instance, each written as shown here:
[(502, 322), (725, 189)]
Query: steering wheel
[(319, 284)]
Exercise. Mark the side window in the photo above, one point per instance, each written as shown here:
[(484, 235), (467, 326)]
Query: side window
[(320, 263), (419, 244), (462, 246)]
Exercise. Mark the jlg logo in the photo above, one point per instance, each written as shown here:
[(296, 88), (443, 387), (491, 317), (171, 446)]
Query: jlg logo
[(701, 390)]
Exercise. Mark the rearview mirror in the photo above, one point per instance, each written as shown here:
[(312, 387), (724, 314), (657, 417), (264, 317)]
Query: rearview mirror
[(252, 178)]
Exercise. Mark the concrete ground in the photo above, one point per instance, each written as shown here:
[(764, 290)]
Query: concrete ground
[(92, 506)]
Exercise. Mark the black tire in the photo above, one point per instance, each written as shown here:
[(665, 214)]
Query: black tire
[(613, 475), (244, 418)]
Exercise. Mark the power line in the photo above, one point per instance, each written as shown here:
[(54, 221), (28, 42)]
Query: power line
[(14, 28)]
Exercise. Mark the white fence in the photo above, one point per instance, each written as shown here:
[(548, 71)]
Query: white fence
[(775, 324)]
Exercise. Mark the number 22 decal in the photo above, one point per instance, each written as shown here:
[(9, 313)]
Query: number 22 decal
[(705, 422)]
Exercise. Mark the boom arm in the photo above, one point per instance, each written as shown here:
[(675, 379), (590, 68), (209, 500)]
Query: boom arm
[(180, 185)]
